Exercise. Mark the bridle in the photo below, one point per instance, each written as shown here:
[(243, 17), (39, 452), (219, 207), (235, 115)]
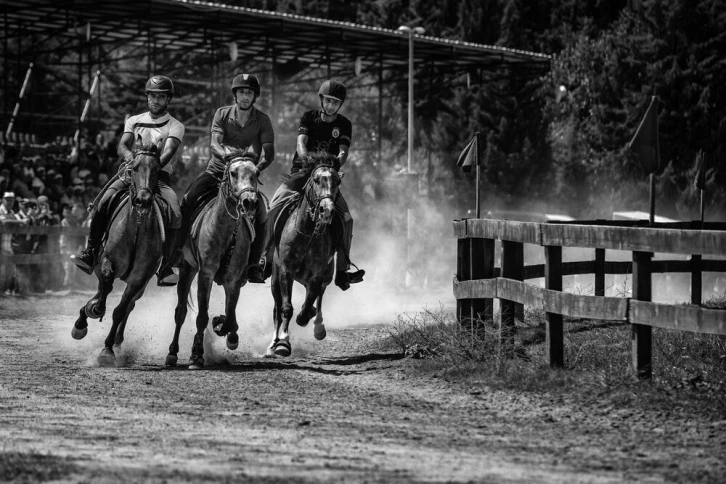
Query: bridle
[(134, 189), (228, 193), (314, 201)]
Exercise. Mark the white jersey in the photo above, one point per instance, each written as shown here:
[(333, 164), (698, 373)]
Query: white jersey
[(153, 130)]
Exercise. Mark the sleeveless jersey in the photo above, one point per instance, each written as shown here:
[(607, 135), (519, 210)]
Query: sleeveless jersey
[(153, 130)]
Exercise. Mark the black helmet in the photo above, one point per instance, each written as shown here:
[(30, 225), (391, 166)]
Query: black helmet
[(246, 80), (333, 89), (160, 84)]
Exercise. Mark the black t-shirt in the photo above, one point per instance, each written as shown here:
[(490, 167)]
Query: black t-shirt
[(323, 136)]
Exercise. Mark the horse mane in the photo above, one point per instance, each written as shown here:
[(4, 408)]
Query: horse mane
[(244, 153), (296, 181), (149, 146)]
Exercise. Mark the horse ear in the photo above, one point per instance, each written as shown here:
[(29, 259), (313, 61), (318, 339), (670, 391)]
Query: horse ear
[(341, 174), (159, 145), (138, 141)]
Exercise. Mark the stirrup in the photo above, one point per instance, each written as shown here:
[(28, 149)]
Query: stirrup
[(167, 277)]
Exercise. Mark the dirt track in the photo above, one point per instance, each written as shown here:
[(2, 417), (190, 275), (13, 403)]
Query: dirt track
[(339, 410)]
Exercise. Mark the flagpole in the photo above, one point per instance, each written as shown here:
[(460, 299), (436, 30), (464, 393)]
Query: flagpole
[(652, 199), (477, 175)]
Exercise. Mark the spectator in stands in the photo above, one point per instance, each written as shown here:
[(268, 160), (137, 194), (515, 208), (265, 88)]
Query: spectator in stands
[(8, 215), (73, 216)]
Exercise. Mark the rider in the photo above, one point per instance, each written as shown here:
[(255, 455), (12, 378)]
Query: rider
[(325, 129), (239, 126), (154, 125)]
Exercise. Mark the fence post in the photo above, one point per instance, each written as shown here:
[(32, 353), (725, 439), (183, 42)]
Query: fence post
[(642, 335), (553, 281), (599, 272), (512, 268), (482, 267), (463, 273), (696, 279)]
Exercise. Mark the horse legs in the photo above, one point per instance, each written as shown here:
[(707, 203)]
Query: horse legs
[(134, 290), (307, 310), (230, 307), (186, 276), (282, 294), (204, 287), (318, 326)]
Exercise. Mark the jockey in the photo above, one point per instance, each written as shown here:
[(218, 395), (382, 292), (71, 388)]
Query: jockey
[(239, 126), (154, 125), (325, 129)]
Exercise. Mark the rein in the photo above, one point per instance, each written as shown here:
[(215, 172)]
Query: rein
[(313, 208)]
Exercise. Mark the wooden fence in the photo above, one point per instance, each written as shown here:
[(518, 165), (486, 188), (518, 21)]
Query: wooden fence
[(478, 281), (53, 232)]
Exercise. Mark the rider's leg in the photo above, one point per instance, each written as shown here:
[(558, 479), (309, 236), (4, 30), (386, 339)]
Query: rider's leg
[(202, 185), (166, 275), (86, 259), (343, 278), (254, 269)]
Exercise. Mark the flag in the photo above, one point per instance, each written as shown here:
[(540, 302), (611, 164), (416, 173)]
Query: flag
[(470, 155), (645, 142), (700, 181)]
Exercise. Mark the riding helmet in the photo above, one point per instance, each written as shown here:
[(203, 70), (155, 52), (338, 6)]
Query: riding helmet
[(160, 84), (333, 89), (248, 81)]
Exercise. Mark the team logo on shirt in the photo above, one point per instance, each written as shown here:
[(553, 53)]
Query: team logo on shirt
[(336, 133)]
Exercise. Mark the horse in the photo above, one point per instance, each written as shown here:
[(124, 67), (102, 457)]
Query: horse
[(217, 249), (134, 244), (304, 250)]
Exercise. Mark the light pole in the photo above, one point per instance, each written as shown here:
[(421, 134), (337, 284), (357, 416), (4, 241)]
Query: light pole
[(411, 32), (411, 180)]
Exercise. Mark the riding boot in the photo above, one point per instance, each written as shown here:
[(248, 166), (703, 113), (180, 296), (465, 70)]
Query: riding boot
[(255, 271), (166, 275), (86, 259), (343, 278)]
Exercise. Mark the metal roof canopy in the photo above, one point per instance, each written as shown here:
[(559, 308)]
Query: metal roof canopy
[(296, 42)]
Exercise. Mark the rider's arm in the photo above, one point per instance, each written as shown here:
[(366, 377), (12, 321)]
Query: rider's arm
[(268, 156), (170, 147), (302, 141), (124, 145), (343, 155), (216, 146)]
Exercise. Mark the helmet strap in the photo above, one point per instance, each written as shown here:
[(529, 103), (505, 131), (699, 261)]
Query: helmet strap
[(322, 108)]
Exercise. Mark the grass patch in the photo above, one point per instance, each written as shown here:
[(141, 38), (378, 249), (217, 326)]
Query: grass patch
[(34, 467), (686, 365)]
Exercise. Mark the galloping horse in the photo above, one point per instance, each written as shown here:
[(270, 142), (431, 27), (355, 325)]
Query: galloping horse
[(304, 250), (218, 248), (132, 251)]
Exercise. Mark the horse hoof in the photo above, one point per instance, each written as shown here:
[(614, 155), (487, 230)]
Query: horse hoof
[(170, 360), (283, 348), (196, 363), (232, 341), (107, 358), (218, 325), (92, 310), (319, 332), (79, 333), (303, 321)]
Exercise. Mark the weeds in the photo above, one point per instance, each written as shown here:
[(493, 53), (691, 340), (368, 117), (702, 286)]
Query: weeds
[(597, 354)]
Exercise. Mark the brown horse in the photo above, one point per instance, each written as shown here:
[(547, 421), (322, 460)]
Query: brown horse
[(304, 251), (132, 251), (218, 248)]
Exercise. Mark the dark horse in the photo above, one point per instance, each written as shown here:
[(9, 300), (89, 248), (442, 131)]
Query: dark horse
[(218, 248), (132, 251), (304, 250)]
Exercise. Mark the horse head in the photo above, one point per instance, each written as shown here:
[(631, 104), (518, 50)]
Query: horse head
[(322, 187), (240, 179), (144, 173)]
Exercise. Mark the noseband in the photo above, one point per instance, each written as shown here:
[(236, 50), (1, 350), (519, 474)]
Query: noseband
[(314, 203), (133, 188), (228, 193)]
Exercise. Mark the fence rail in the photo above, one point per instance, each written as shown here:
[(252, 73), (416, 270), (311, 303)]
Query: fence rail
[(478, 282)]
